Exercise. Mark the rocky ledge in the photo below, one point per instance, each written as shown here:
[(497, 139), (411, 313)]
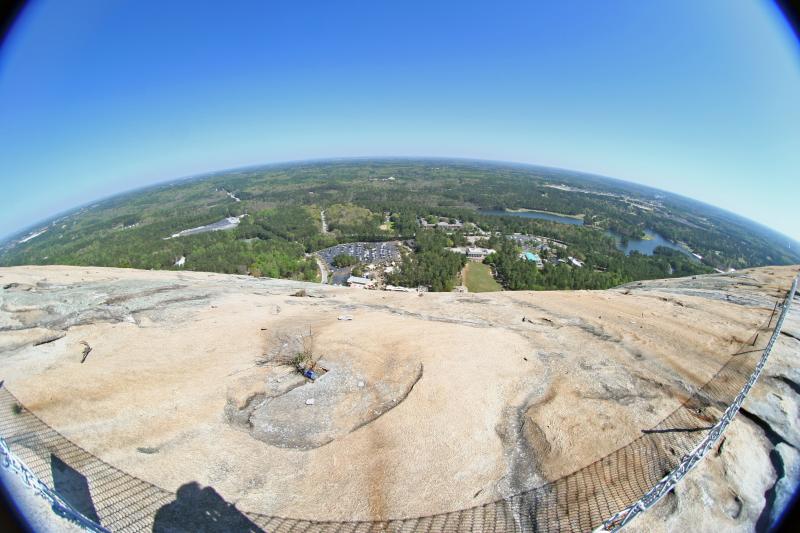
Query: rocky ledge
[(427, 403)]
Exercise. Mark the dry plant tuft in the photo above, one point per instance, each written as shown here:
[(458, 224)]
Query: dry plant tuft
[(292, 348)]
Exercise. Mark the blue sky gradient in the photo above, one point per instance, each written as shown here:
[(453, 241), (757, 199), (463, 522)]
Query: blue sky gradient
[(698, 98)]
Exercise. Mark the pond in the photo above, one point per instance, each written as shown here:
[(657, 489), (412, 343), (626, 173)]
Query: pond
[(647, 246)]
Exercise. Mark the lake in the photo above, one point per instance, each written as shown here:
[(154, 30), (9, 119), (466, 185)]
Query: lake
[(648, 246), (643, 246)]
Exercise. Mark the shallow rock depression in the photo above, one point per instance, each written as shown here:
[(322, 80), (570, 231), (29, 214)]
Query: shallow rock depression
[(285, 409)]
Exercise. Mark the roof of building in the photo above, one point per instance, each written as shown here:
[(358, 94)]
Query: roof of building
[(480, 251), (358, 280)]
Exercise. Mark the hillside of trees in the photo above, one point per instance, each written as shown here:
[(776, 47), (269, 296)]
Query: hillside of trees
[(282, 204), (517, 274)]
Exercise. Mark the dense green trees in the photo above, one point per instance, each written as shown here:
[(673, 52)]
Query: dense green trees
[(344, 260), (405, 223), (291, 223), (431, 265), (598, 272), (284, 204), (349, 219)]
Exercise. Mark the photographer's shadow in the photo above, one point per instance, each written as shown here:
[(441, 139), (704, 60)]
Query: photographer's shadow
[(201, 509)]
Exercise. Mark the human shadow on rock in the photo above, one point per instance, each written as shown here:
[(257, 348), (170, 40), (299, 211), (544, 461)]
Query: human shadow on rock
[(201, 509)]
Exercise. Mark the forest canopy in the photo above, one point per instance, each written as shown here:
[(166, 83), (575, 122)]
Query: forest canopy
[(288, 212)]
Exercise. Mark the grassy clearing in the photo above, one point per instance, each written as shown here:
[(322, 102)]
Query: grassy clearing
[(346, 215), (478, 278)]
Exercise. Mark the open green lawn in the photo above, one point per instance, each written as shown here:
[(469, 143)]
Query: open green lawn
[(478, 278)]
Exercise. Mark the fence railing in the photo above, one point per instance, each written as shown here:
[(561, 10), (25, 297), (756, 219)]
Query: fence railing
[(13, 464), (604, 495), (669, 481)]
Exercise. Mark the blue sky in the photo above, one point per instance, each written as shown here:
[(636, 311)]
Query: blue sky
[(699, 98)]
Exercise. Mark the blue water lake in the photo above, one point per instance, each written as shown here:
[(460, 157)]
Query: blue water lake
[(643, 246), (648, 246)]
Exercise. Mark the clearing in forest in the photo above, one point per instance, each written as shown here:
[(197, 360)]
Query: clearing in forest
[(478, 278)]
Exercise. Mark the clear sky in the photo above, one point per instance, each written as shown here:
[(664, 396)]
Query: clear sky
[(696, 97)]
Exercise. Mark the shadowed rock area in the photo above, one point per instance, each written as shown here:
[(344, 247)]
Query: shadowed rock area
[(426, 404)]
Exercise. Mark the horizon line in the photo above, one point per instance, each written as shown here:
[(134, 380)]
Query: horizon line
[(323, 159)]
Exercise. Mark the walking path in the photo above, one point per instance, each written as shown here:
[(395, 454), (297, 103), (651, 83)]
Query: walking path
[(323, 270)]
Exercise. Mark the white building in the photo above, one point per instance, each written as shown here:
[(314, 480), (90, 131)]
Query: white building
[(395, 288), (442, 224), (360, 283), (577, 262), (478, 254)]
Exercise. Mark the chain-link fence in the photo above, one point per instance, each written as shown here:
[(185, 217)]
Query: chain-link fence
[(83, 485)]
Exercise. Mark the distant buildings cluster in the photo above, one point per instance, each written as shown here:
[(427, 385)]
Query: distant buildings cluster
[(442, 223), (379, 259), (473, 253)]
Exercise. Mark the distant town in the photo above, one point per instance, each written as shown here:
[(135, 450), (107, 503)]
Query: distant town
[(370, 264)]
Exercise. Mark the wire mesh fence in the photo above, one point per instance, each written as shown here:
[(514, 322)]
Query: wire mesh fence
[(580, 501)]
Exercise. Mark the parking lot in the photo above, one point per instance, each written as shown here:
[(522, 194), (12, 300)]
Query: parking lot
[(365, 252)]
